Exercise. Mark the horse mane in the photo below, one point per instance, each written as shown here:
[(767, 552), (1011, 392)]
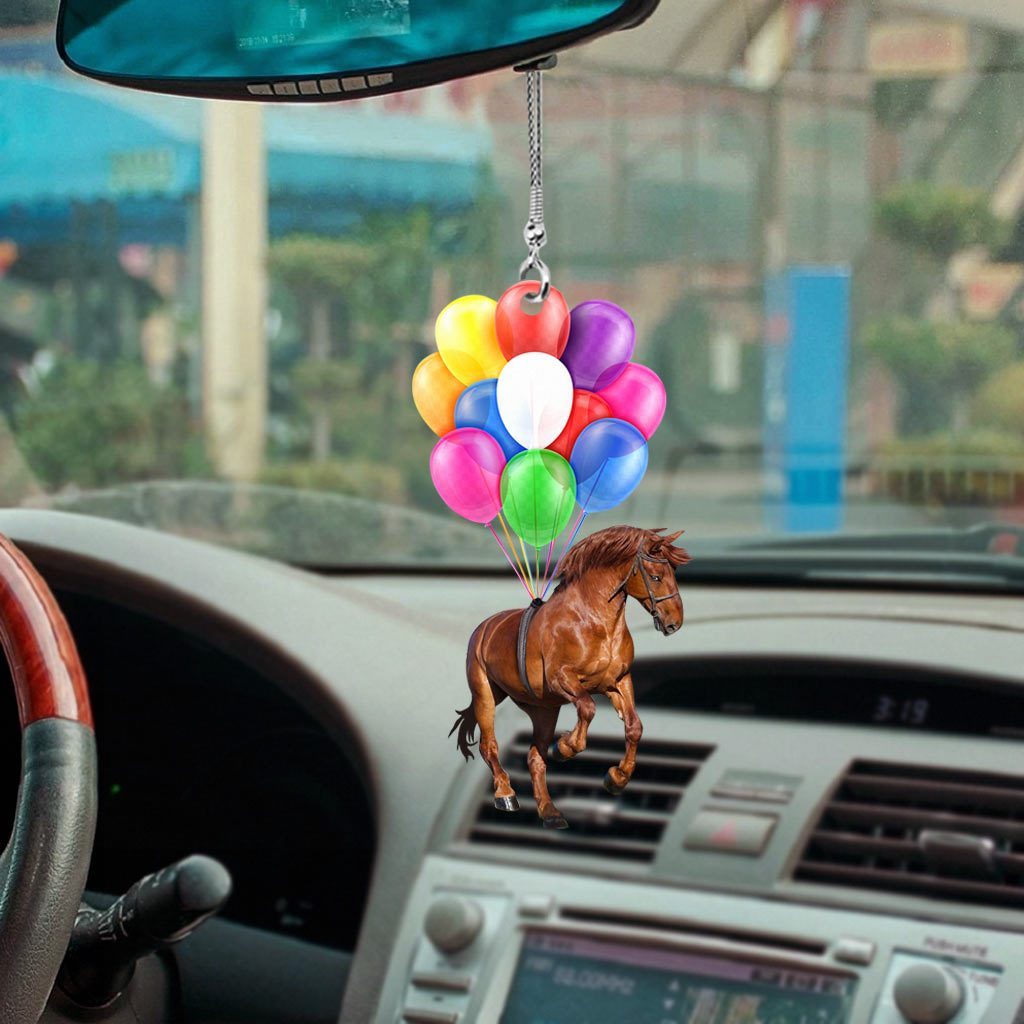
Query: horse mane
[(616, 545)]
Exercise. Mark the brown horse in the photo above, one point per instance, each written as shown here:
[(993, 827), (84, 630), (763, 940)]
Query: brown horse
[(577, 645)]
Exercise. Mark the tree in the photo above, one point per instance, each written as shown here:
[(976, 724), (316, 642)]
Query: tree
[(1000, 402), (324, 274), (938, 366), (375, 289), (92, 425), (939, 220)]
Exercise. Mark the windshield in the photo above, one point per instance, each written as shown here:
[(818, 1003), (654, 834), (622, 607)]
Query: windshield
[(210, 314)]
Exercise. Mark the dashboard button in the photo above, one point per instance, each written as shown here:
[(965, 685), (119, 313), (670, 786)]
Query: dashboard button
[(928, 994), (761, 787), (453, 922), (854, 951), (728, 832), (442, 982), (536, 905), (429, 1017)]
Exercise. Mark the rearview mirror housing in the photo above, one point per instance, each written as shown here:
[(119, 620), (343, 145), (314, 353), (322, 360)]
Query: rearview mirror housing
[(320, 50)]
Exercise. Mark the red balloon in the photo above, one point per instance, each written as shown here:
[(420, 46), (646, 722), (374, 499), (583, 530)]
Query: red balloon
[(586, 407), (544, 329)]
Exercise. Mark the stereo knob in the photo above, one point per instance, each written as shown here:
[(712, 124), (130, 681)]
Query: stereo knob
[(453, 922), (928, 994)]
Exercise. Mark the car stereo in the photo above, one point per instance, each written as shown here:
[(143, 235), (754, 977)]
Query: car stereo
[(493, 943), (574, 977)]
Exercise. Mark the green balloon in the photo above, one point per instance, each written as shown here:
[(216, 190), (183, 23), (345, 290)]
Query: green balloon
[(538, 494)]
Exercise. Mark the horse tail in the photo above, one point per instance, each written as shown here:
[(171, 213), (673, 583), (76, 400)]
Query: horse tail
[(466, 725)]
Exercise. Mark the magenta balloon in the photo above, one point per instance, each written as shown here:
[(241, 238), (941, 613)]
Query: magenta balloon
[(637, 396), (600, 345), (466, 466)]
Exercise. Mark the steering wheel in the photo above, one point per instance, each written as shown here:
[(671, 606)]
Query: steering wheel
[(43, 869)]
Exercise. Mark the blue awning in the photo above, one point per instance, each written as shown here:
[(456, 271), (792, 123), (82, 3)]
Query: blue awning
[(59, 144), (64, 141)]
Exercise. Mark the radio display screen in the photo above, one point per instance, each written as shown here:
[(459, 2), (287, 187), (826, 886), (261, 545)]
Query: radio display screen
[(572, 979)]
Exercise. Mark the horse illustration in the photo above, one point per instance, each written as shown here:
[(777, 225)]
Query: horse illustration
[(578, 645)]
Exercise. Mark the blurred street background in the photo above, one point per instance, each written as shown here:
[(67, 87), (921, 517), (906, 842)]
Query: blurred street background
[(204, 302)]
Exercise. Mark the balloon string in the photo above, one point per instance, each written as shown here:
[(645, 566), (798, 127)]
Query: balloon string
[(568, 544), (526, 561), (501, 546), (515, 554), (512, 548), (547, 564), (549, 577)]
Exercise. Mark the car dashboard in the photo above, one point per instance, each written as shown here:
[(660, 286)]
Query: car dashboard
[(825, 825), (826, 822)]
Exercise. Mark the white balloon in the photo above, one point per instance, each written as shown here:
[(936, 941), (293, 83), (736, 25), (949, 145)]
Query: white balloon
[(534, 398)]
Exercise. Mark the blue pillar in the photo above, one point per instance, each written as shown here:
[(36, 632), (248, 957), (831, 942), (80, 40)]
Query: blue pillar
[(806, 370)]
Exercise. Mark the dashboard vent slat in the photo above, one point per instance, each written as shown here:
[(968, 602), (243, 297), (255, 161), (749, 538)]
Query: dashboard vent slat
[(878, 831), (627, 827)]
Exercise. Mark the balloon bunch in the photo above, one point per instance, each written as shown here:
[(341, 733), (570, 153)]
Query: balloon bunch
[(538, 413)]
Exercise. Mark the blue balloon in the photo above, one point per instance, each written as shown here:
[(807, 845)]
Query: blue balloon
[(609, 460), (478, 407)]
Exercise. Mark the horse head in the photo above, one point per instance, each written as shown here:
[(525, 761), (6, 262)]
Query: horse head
[(652, 579)]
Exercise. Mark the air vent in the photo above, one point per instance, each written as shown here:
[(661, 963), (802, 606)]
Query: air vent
[(947, 834), (626, 827)]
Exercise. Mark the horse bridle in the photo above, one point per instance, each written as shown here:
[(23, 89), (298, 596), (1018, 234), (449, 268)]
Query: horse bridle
[(639, 567)]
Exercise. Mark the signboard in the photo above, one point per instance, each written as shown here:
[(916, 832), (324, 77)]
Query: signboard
[(917, 48), (806, 349), (141, 170)]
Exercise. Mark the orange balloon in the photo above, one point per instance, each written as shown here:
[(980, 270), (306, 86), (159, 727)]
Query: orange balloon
[(435, 392)]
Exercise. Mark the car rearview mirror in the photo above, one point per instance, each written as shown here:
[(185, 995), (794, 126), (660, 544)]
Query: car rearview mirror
[(317, 50)]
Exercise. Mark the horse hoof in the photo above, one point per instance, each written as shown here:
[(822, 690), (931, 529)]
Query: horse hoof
[(611, 785), (556, 822), (555, 754), (506, 803)]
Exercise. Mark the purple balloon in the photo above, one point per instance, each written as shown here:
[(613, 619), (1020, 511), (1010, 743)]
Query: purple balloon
[(600, 345)]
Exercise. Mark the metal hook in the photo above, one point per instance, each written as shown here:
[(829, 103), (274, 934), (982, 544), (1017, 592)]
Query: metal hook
[(534, 262), (534, 233)]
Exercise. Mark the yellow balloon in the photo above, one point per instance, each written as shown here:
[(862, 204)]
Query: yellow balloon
[(435, 392), (467, 340)]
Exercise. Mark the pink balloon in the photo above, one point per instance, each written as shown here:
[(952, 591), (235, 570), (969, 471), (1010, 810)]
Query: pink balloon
[(466, 466), (637, 396)]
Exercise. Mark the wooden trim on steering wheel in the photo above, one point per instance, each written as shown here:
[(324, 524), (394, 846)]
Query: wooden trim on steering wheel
[(48, 676)]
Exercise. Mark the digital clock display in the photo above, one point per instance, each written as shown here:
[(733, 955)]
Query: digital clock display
[(572, 979), (905, 710), (844, 694)]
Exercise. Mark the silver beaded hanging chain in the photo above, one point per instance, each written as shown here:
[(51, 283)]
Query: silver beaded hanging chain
[(534, 234)]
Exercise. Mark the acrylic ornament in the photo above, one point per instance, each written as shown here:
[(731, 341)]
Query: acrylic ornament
[(575, 646)]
